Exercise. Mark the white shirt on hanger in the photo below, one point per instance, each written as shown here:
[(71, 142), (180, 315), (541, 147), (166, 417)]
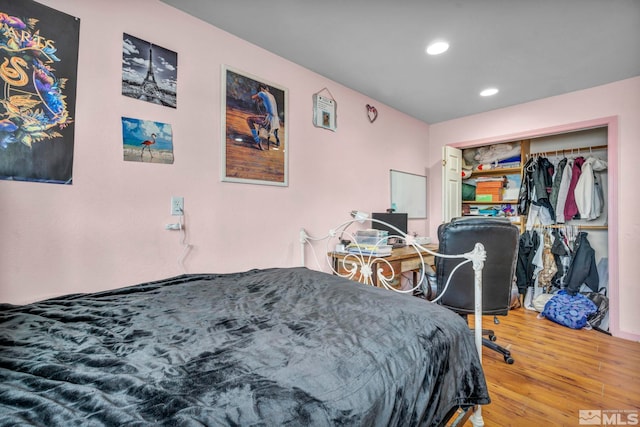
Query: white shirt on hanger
[(588, 197)]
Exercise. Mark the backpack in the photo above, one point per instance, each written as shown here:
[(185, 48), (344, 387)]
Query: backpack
[(572, 311), (601, 301)]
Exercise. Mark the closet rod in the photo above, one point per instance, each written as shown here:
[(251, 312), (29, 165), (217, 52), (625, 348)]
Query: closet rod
[(574, 150), (580, 226)]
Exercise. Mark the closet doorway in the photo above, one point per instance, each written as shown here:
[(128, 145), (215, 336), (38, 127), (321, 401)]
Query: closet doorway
[(595, 137)]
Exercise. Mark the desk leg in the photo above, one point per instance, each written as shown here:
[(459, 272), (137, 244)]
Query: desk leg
[(414, 274), (374, 274)]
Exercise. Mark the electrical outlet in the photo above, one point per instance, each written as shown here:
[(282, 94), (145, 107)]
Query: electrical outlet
[(177, 205)]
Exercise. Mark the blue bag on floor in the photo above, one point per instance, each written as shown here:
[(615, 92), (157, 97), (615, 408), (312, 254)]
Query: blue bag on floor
[(569, 310)]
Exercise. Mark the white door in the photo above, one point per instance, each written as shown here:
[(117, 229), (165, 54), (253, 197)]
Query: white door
[(451, 183)]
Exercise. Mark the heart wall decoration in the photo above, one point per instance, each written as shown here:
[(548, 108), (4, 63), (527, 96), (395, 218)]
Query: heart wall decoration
[(372, 113)]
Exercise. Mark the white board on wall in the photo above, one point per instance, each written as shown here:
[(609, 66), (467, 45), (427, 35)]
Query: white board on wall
[(409, 193)]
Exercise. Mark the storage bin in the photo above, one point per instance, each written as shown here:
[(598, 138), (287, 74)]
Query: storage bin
[(496, 197)]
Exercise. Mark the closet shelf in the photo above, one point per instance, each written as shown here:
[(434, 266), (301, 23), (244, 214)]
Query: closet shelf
[(497, 202), (497, 171)]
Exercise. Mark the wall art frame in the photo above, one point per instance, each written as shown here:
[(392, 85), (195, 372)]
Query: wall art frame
[(255, 141), (147, 141), (149, 72), (324, 111), (39, 58)]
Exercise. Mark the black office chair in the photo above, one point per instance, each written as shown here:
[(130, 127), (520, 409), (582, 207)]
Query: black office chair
[(500, 240)]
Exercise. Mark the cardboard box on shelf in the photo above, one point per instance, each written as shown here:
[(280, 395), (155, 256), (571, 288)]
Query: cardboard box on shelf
[(488, 185)]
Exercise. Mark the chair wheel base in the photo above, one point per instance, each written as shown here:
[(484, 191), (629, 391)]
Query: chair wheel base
[(506, 354)]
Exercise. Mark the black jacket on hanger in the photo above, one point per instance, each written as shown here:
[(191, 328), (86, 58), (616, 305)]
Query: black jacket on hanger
[(558, 250), (527, 247), (526, 186), (542, 178), (583, 267)]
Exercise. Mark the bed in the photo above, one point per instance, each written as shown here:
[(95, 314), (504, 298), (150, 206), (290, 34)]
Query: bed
[(282, 346)]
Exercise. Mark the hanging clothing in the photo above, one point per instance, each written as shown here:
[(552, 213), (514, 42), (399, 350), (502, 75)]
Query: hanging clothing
[(563, 191), (560, 251), (527, 247), (549, 267), (543, 178), (537, 260), (583, 267), (557, 179), (570, 207), (538, 214), (534, 290), (542, 182), (588, 194), (598, 198), (533, 200), (526, 185)]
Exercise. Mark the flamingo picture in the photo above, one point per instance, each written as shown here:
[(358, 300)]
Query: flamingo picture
[(147, 144), (141, 135)]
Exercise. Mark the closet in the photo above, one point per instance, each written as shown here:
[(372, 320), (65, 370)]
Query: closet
[(546, 216)]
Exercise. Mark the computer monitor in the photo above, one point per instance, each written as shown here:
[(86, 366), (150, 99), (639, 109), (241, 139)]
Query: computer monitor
[(398, 220)]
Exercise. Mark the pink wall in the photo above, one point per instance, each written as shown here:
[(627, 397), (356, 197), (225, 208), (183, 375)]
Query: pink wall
[(107, 229), (616, 104)]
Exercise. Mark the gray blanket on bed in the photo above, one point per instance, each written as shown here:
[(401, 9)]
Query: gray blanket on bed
[(265, 347)]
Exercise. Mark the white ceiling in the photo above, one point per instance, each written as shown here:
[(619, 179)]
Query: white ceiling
[(529, 49)]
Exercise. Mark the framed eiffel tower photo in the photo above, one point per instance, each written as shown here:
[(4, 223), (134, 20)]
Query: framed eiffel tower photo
[(149, 72)]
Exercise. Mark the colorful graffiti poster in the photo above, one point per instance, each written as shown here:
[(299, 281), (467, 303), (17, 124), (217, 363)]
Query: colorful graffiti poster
[(147, 141), (149, 72), (38, 67)]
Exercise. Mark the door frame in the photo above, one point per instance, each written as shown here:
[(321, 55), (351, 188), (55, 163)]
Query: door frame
[(611, 123)]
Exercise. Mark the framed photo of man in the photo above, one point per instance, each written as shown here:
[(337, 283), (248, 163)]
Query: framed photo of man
[(255, 140)]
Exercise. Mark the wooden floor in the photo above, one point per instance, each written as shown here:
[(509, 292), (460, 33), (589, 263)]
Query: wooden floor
[(557, 372)]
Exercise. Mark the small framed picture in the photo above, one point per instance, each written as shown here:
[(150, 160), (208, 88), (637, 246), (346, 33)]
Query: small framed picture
[(147, 141), (324, 112)]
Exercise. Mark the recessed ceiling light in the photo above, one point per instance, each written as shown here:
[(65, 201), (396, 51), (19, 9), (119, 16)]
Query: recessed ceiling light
[(489, 91), (438, 47)]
